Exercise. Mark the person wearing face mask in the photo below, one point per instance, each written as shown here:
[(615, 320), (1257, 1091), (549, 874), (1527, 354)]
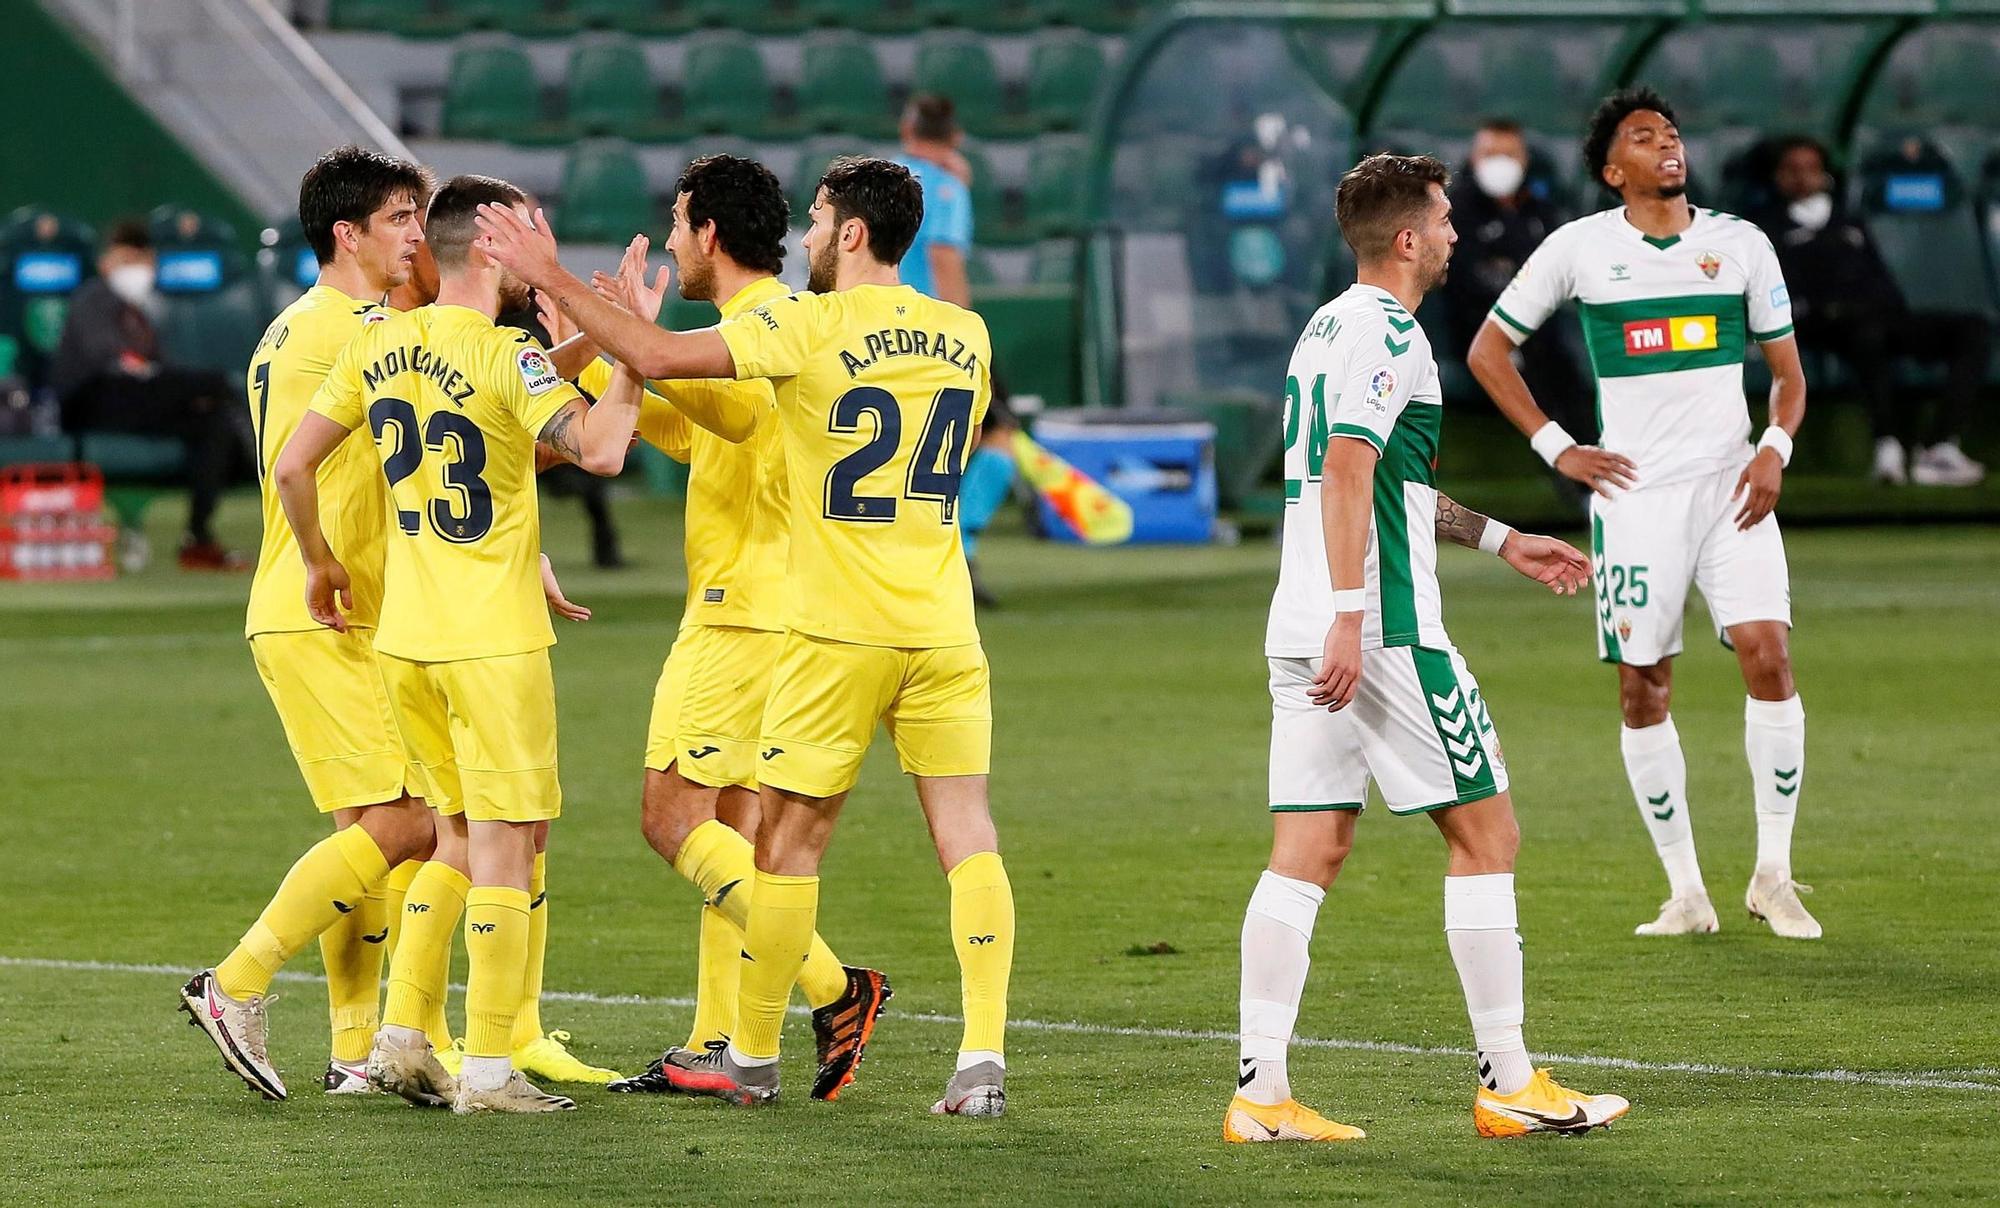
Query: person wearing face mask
[(1845, 303), (1501, 221), (111, 376)]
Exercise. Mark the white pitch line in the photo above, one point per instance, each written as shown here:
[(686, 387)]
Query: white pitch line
[(1936, 1080)]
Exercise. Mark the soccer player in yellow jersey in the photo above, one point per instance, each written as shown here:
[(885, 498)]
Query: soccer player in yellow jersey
[(879, 390), (700, 804), (359, 210), (456, 406)]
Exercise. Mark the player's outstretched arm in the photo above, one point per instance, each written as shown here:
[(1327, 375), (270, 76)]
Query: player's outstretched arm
[(1557, 565), (1764, 477), (1346, 491), (1491, 361), (728, 409), (296, 475), (597, 438), (530, 251)]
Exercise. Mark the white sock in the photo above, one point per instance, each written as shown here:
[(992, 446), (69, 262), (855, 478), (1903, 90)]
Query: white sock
[(486, 1073), (1277, 930), (1774, 737), (1479, 926), (736, 1055), (1658, 773), (967, 1058)]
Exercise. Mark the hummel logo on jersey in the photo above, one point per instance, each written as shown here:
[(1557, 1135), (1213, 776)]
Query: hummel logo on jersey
[(342, 907), (483, 928), (704, 753), (418, 907), (979, 939), (1620, 272), (774, 752), (379, 937)]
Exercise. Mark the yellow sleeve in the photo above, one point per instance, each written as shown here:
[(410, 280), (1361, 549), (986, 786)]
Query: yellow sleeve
[(339, 397), (529, 385), (595, 378), (729, 409), (662, 426), (773, 340)]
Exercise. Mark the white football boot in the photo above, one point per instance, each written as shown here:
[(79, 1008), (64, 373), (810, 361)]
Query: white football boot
[(237, 1029), (400, 1066), (1690, 914), (1775, 899), (347, 1078), (516, 1096)]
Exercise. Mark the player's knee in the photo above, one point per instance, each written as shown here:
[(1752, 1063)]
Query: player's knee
[(1644, 700), (1767, 668), (665, 827)]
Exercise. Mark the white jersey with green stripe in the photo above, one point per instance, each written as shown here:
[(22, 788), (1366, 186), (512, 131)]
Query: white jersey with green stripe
[(1362, 370), (1667, 323)]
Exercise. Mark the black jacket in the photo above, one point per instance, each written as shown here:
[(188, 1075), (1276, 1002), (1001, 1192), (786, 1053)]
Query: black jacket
[(100, 329), (1835, 274), (1493, 242)]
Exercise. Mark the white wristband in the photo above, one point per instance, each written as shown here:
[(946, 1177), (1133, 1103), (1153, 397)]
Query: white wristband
[(1778, 441), (1494, 537), (1352, 599), (1551, 442)]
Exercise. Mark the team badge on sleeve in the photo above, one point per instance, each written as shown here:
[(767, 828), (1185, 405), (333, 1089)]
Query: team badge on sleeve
[(537, 372), (1381, 388)]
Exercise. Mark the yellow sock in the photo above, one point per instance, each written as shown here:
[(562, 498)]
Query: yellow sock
[(395, 886), (774, 947), (328, 881), (982, 929), (421, 967), (718, 969), (351, 949), (496, 946), (528, 1021), (722, 864)]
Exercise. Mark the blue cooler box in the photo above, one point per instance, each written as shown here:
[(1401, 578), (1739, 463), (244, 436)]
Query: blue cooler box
[(1160, 462)]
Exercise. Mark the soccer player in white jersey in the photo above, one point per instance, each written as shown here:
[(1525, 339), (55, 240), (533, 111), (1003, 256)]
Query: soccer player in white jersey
[(1670, 296), (1365, 683)]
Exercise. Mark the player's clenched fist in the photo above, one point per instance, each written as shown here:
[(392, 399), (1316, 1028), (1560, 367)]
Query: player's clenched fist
[(1340, 665)]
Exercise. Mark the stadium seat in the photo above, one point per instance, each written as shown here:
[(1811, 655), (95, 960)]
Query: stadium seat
[(1064, 71), (415, 18), (514, 16), (605, 195), (878, 16), (723, 87), (637, 16), (994, 16), (213, 307), (762, 17), (491, 93), (43, 258), (994, 221), (1098, 16), (811, 165), (611, 91), (1056, 169), (1922, 218), (841, 88), (959, 66)]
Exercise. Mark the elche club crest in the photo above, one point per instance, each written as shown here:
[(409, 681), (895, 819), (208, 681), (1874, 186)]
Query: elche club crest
[(1710, 264)]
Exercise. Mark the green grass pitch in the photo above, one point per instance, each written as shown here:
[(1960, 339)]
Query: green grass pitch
[(148, 807)]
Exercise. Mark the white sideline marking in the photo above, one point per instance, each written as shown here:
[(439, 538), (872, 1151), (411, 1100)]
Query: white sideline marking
[(1937, 1080)]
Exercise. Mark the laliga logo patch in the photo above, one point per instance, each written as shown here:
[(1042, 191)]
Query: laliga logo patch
[(1381, 388), (537, 373), (1710, 264)]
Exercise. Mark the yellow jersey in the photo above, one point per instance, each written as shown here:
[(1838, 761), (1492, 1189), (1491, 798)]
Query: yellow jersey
[(736, 511), (290, 363), (454, 404), (880, 393)]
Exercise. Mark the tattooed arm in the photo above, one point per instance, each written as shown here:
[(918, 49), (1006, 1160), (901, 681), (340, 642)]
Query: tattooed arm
[(1554, 564), (596, 437), (1459, 524)]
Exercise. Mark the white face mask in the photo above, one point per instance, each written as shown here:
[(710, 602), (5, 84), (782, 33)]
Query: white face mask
[(1812, 212), (1499, 176), (132, 282)]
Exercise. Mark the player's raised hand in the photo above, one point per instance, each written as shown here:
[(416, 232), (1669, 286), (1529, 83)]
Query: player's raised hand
[(1597, 469), (557, 601), (646, 299), (1758, 488), (526, 247), (1556, 565), (554, 321), (1340, 664), (329, 595)]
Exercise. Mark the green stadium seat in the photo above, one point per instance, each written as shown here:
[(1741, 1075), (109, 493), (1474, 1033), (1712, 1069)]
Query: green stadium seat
[(1056, 170), (811, 165), (213, 306), (637, 16), (1098, 16), (22, 450), (1923, 219), (43, 258), (994, 221), (876, 16), (491, 93), (1064, 71), (416, 18), (995, 16), (513, 16), (611, 91), (1035, 340), (605, 196), (841, 88), (959, 66), (762, 17), (723, 86)]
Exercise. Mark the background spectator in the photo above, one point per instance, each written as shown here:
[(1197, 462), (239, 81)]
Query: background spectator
[(112, 376), (935, 263), (1846, 304), (1501, 220)]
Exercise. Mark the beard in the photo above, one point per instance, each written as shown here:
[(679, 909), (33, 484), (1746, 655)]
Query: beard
[(1679, 190), (821, 269), (1435, 274), (697, 280)]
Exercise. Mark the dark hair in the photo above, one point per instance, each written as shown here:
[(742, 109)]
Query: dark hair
[(747, 205), (932, 117), (1610, 113), (1785, 144), (129, 232), (348, 184), (881, 193), (1503, 125), (1383, 195), (450, 229)]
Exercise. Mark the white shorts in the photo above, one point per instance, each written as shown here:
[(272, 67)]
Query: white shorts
[(1647, 546), (1417, 727)]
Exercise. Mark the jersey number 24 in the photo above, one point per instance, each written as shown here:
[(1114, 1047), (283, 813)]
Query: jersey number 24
[(935, 467)]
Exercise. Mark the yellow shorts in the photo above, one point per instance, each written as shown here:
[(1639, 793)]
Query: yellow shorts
[(482, 733), (709, 705), (826, 697), (329, 694)]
